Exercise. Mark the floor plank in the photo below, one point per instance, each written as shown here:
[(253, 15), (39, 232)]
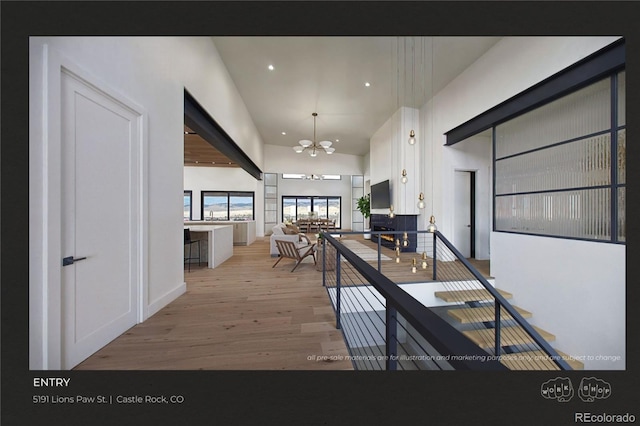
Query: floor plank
[(243, 315)]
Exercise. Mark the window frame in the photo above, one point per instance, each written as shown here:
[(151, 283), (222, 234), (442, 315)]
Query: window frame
[(228, 195), (613, 130), (313, 198), (188, 193)]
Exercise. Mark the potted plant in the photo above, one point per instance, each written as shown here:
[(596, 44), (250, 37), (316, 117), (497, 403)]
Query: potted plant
[(364, 207)]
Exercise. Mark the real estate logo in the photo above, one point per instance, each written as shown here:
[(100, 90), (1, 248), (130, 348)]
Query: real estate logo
[(592, 388), (559, 389)]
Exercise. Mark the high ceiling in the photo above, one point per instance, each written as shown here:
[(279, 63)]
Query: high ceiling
[(327, 75)]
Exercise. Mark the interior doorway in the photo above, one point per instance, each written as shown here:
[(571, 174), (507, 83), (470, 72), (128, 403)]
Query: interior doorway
[(100, 257), (465, 212)]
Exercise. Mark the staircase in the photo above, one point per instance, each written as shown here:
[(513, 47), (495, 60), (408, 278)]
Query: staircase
[(477, 313)]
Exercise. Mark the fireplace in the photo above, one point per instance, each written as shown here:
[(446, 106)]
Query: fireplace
[(401, 223), (386, 238)]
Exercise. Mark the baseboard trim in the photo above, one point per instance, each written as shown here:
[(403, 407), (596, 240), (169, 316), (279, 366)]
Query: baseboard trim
[(164, 300)]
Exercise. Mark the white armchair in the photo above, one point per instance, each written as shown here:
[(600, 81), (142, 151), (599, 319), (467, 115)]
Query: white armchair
[(300, 239)]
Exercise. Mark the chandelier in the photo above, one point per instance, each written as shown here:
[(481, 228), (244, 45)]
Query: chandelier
[(311, 145)]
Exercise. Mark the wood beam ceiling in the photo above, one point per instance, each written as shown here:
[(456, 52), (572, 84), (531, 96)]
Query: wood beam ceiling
[(200, 153)]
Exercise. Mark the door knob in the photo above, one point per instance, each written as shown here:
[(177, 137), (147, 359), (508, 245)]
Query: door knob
[(69, 260)]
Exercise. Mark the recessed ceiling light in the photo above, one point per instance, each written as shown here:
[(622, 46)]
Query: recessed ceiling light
[(367, 84), (213, 162), (337, 140), (229, 162), (284, 133), (186, 133), (270, 67), (196, 162)]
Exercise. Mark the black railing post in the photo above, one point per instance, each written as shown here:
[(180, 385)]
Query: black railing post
[(497, 327), (392, 339), (324, 262), (338, 290), (379, 253), (434, 257)]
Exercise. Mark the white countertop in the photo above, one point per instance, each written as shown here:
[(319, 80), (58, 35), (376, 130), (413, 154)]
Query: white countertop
[(206, 222), (204, 228)]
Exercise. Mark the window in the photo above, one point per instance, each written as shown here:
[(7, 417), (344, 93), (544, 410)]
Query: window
[(188, 212), (225, 205), (299, 207), (559, 169), (310, 177)]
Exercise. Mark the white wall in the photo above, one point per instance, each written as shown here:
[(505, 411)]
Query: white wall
[(339, 188), (585, 278), (153, 72), (283, 159), (575, 290), (390, 153), (473, 154)]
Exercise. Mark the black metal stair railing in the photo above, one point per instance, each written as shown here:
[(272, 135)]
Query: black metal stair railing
[(386, 328), (507, 334)]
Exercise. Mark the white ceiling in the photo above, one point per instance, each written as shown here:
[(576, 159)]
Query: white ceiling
[(327, 75)]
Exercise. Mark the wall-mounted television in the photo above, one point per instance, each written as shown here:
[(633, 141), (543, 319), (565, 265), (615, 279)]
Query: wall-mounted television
[(380, 195)]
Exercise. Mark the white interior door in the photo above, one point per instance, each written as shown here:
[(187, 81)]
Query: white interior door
[(462, 213), (100, 211)]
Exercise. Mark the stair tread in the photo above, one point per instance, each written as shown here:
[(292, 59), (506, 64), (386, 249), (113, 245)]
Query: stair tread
[(537, 360), (469, 295), (483, 314), (509, 336)]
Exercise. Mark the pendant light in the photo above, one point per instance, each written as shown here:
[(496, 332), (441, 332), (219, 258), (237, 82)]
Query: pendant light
[(412, 133), (412, 137), (421, 201), (432, 225), (311, 145), (404, 179)]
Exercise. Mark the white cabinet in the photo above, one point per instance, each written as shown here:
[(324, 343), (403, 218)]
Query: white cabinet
[(244, 233)]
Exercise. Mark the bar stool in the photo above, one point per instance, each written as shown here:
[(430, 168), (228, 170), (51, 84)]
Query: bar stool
[(190, 242)]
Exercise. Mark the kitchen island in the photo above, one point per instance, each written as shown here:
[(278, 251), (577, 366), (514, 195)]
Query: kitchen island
[(216, 242), (244, 232)]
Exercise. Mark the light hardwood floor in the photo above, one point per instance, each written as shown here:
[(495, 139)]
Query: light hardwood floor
[(243, 315)]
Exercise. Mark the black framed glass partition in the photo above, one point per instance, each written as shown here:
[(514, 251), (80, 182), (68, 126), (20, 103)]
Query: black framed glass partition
[(559, 169)]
